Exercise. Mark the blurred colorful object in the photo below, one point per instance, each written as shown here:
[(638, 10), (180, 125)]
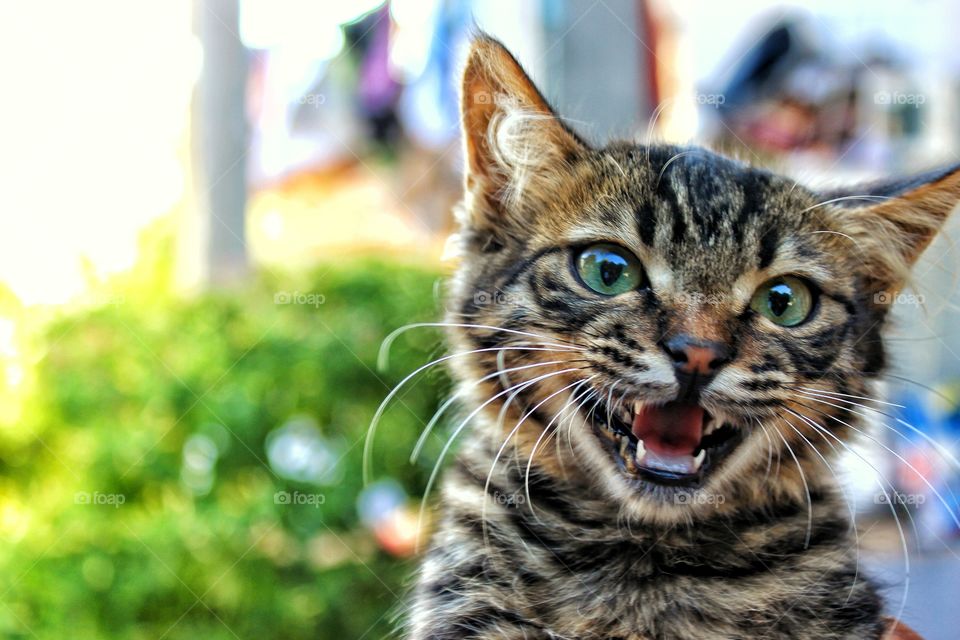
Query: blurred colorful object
[(383, 508)]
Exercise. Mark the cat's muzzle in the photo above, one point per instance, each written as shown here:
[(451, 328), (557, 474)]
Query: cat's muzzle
[(675, 443)]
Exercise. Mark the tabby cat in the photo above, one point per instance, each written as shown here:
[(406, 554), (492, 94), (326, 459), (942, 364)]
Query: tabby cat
[(662, 353)]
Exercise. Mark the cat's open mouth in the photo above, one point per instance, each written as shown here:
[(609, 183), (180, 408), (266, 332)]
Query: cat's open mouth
[(671, 444)]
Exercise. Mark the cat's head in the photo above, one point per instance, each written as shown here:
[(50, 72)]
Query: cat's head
[(725, 317)]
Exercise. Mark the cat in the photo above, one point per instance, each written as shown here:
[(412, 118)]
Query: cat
[(661, 351)]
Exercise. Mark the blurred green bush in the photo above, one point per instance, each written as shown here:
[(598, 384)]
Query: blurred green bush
[(137, 499)]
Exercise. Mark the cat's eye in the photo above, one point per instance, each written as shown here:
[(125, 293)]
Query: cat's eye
[(609, 269), (786, 300)]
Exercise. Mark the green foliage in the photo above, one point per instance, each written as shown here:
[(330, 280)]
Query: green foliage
[(105, 534)]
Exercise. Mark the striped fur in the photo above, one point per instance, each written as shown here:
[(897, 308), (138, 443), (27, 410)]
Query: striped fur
[(541, 534)]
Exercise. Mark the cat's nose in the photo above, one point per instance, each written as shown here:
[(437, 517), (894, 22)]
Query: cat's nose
[(692, 356)]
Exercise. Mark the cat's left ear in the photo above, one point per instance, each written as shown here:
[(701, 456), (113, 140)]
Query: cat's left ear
[(514, 143), (892, 222)]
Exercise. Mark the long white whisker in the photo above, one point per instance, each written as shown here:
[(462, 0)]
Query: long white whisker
[(372, 429), (943, 451), (899, 457), (806, 487), (388, 341), (503, 446), (847, 395), (846, 496), (548, 430), (421, 441), (890, 503), (766, 433), (460, 427)]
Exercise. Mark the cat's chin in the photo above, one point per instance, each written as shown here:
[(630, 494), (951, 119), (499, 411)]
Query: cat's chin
[(681, 447)]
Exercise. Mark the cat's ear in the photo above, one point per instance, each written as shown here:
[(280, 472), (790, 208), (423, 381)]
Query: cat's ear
[(514, 142), (892, 222)]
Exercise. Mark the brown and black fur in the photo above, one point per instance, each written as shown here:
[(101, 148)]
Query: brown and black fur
[(540, 533)]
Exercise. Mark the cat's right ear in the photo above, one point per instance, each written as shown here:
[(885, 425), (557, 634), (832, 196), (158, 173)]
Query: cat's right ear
[(892, 222), (514, 144)]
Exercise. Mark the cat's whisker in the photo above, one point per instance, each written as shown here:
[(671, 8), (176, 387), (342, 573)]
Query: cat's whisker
[(806, 488), (890, 503), (925, 387), (372, 429), (944, 454), (770, 449), (582, 330), (674, 158), (382, 356), (822, 429), (652, 123), (943, 501), (846, 498), (847, 395), (549, 431), (591, 394), (835, 376), (421, 441), (610, 400), (462, 425), (506, 440), (943, 451)]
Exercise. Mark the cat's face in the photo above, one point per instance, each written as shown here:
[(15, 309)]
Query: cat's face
[(677, 328)]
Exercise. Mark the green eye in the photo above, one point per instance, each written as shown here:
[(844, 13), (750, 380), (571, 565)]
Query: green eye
[(609, 269), (786, 300)]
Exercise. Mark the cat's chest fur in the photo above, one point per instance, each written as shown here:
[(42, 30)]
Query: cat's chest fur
[(555, 562)]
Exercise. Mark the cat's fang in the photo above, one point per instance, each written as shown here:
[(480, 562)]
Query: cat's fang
[(641, 452), (698, 459), (711, 426)]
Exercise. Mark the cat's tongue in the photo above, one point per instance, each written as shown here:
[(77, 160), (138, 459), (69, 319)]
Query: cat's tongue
[(673, 429)]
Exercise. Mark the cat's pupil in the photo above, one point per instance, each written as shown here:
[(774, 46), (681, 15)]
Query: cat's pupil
[(610, 272), (780, 298)]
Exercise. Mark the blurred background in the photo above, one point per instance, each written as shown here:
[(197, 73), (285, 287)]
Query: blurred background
[(215, 211)]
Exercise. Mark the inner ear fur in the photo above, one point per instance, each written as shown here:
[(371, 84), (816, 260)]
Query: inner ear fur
[(514, 142)]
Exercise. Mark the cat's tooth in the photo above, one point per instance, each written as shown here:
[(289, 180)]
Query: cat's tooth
[(711, 426), (641, 452), (637, 407), (624, 441), (698, 459)]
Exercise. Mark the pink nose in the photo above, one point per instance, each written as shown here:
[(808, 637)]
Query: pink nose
[(692, 356)]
